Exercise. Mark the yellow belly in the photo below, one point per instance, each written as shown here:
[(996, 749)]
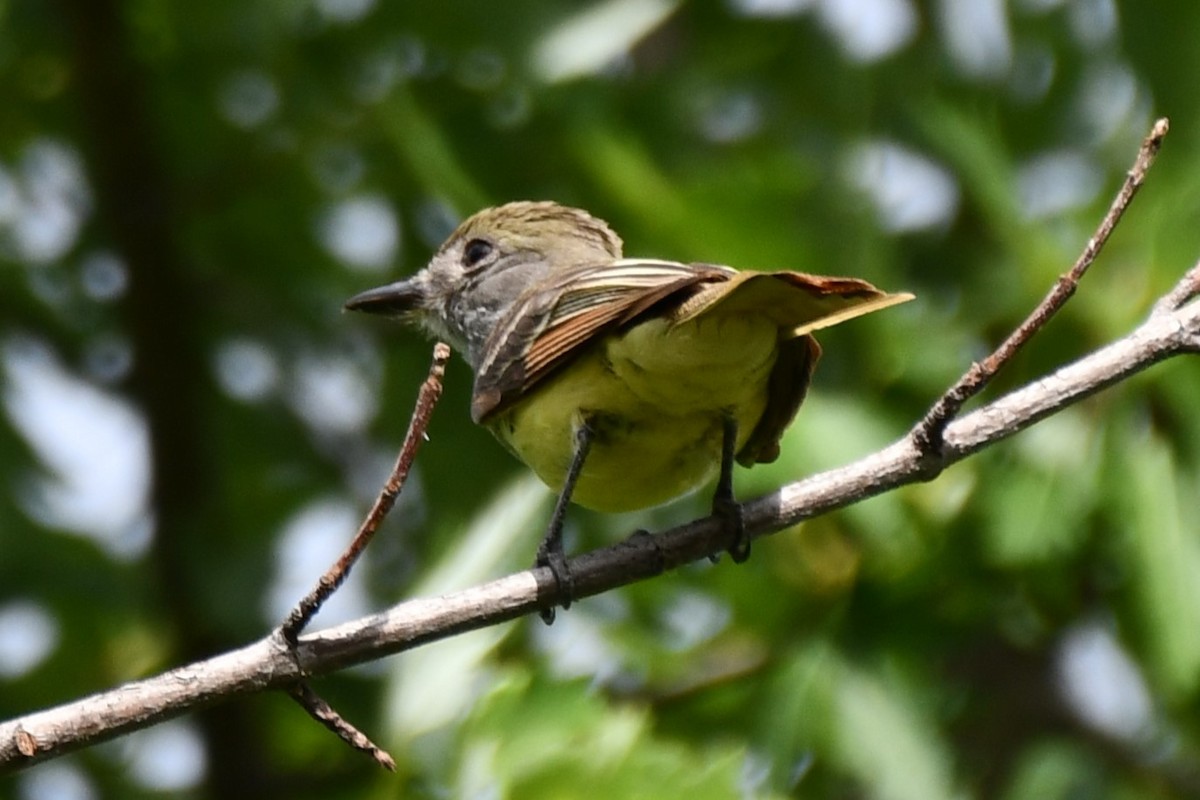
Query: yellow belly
[(655, 397)]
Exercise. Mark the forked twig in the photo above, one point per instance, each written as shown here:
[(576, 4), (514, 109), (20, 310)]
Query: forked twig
[(928, 433), (299, 617), (336, 575)]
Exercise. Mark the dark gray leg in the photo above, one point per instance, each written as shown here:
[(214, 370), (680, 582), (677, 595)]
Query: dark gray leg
[(724, 505), (550, 552)]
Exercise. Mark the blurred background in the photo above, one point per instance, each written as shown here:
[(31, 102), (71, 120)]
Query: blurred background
[(191, 428)]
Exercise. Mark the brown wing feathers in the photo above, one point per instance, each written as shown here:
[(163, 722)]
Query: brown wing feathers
[(553, 323), (547, 329)]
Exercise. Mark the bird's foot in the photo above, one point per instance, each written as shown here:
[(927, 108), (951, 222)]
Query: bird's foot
[(553, 559), (729, 511)]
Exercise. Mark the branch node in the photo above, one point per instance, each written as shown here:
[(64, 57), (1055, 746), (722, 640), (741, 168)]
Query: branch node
[(289, 649), (26, 743)]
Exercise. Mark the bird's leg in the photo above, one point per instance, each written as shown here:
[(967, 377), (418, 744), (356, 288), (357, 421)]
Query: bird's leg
[(550, 552), (724, 505)]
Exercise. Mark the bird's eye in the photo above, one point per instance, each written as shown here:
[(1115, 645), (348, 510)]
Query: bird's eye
[(475, 252)]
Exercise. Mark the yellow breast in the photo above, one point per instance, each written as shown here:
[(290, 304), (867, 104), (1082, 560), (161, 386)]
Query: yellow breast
[(655, 396)]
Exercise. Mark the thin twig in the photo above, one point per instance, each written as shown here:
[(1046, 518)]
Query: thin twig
[(930, 430), (335, 576), (427, 398), (323, 713)]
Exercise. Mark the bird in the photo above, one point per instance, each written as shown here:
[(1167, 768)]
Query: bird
[(623, 383)]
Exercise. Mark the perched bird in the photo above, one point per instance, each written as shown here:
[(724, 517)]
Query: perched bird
[(621, 382)]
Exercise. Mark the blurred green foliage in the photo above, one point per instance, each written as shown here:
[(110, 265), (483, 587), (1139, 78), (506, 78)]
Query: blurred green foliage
[(189, 190)]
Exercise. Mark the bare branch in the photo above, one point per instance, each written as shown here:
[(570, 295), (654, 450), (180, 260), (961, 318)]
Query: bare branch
[(930, 429)]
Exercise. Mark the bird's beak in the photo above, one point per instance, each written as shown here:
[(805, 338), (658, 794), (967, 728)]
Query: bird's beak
[(395, 299)]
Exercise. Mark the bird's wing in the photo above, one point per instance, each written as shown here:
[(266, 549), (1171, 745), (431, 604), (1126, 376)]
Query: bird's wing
[(799, 303), (551, 323)]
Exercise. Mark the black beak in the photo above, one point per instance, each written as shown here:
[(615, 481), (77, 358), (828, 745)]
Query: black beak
[(395, 299)]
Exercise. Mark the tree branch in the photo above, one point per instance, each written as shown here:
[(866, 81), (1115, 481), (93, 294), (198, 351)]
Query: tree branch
[(1173, 328), (929, 430), (283, 661)]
